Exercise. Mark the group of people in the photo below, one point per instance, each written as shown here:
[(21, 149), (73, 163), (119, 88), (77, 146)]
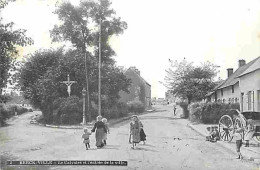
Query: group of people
[(101, 129), (250, 131), (213, 136)]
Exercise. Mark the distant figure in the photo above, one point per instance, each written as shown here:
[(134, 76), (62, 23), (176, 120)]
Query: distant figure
[(86, 140), (100, 129), (104, 120), (174, 110)]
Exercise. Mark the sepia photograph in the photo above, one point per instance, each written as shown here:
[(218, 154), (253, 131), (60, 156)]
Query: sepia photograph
[(129, 85)]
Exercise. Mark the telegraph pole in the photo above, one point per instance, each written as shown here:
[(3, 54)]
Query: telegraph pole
[(99, 70)]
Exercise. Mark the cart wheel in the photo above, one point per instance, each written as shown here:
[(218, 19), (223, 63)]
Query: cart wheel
[(226, 128), (239, 124)]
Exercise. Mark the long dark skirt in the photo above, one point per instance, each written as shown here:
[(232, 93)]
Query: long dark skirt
[(99, 136), (136, 135), (142, 135)]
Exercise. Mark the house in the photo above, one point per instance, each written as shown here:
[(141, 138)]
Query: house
[(140, 90), (241, 86), (249, 83)]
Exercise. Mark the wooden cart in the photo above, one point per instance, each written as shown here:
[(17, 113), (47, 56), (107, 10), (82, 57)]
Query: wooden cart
[(234, 119)]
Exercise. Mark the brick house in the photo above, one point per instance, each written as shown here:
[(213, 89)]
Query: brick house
[(244, 81), (140, 90)]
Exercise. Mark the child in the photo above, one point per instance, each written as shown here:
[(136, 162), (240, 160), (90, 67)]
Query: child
[(104, 120), (142, 135), (86, 140), (208, 137), (238, 138), (250, 132), (215, 134)]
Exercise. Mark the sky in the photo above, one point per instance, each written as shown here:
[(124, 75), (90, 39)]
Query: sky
[(218, 31)]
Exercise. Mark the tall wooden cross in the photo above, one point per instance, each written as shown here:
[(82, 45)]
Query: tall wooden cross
[(68, 84)]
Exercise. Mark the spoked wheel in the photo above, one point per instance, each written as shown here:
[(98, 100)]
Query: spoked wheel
[(226, 127), (239, 124)]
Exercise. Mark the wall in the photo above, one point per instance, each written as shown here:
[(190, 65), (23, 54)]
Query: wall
[(250, 82), (228, 96)]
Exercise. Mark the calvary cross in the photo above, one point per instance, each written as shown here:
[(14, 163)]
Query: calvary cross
[(69, 83)]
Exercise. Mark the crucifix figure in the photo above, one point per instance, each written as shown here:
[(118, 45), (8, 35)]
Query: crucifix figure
[(69, 83)]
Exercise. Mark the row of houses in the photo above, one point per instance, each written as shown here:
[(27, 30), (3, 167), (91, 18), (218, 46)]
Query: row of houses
[(241, 86)]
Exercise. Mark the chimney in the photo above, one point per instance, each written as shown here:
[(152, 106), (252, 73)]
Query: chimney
[(241, 63), (229, 72)]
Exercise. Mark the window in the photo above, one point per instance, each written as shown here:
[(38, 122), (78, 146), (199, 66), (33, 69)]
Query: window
[(236, 101), (221, 92), (249, 100), (232, 88)]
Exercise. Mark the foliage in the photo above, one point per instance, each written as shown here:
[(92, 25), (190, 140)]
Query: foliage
[(41, 77), (7, 111), (209, 112), (69, 111), (80, 26), (5, 98), (184, 106), (190, 82), (135, 106), (10, 39)]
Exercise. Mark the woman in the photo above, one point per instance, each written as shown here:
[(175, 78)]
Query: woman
[(135, 128), (100, 129)]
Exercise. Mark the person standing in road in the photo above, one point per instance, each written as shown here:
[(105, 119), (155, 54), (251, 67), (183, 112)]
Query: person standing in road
[(135, 127), (238, 138), (100, 129), (86, 140), (174, 110), (104, 120), (250, 131)]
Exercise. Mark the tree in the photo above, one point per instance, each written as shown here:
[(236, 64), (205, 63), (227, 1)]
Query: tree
[(41, 77), (9, 40), (190, 82), (80, 25)]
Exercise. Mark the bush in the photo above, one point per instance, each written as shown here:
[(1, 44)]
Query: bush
[(209, 112), (184, 106), (135, 106), (122, 109), (69, 111), (3, 114)]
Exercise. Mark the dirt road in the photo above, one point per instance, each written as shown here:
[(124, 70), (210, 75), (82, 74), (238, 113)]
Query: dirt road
[(171, 144)]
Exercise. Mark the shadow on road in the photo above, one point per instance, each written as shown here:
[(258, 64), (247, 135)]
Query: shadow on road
[(144, 149)]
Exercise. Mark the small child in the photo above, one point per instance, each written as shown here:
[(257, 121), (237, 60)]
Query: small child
[(142, 135), (208, 137), (238, 138), (104, 120), (86, 140), (249, 133), (215, 134)]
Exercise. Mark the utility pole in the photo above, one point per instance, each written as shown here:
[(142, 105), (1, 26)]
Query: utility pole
[(99, 70)]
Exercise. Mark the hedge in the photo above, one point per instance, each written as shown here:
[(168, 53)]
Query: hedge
[(209, 112), (7, 111), (135, 106)]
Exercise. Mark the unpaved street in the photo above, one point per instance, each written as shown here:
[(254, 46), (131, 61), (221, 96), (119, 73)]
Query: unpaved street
[(170, 145)]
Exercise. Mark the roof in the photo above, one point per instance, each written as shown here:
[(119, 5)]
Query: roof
[(139, 76), (233, 78), (255, 66)]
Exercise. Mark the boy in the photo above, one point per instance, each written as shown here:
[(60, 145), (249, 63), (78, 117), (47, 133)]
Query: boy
[(86, 140), (238, 138)]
